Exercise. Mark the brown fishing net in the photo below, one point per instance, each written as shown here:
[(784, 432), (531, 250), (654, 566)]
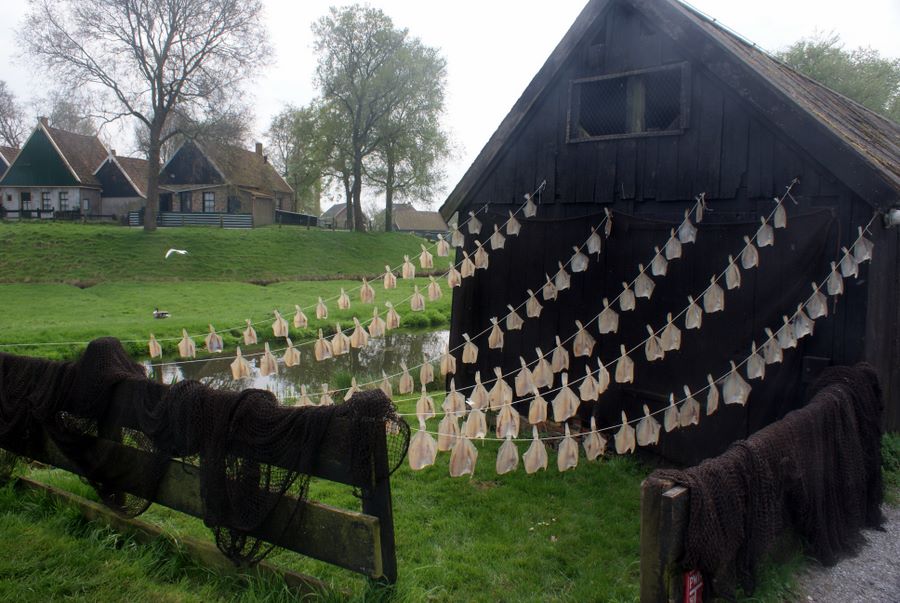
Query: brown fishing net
[(251, 451), (817, 470)]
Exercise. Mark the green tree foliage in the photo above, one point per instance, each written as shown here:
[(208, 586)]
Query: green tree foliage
[(861, 74), (300, 151)]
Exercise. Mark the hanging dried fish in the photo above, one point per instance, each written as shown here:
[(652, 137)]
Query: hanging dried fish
[(659, 266), (543, 371), (712, 396), (701, 207), (689, 413), (474, 224), (213, 341), (454, 402), (280, 325), (300, 320), (406, 381), (475, 425), (537, 410), (670, 340), (862, 248), (693, 318), (507, 457), (500, 395), (325, 399), (835, 282), (376, 325), (386, 386), (803, 325), (627, 300), (470, 351), (426, 260), (732, 275), (532, 307), (756, 364), (392, 319), (352, 391), (536, 456), (530, 209), (625, 439), (443, 247), (390, 279), (643, 284), (579, 261), (495, 339), (497, 240), (780, 219), (322, 348), (849, 265), (463, 458), (425, 405), (480, 398), (602, 377), (422, 449), (549, 289), (562, 280), (713, 298), (268, 365), (594, 242), (366, 292), (304, 398), (785, 335), (359, 338), (426, 371), (560, 359), (321, 310), (240, 368), (765, 236), (735, 390), (608, 321), (524, 380), (467, 268), (673, 246), (448, 363), (772, 352), (291, 356), (154, 348), (567, 455), (249, 334), (594, 443), (566, 403), (343, 300), (508, 421), (456, 238), (624, 368), (817, 305), (482, 260), (670, 417), (584, 341), (687, 232), (648, 429), (434, 290), (749, 255), (408, 270), (514, 322), (454, 278), (340, 343), (448, 431), (186, 347), (513, 227), (417, 301), (587, 390), (608, 224), (653, 349)]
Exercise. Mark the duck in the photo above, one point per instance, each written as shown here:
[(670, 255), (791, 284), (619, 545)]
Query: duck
[(157, 313)]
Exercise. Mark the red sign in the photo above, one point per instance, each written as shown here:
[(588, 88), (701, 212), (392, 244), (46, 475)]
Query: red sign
[(693, 587)]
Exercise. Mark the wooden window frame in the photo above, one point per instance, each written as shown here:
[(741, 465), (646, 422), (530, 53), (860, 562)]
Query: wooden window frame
[(209, 197), (63, 197), (46, 202)]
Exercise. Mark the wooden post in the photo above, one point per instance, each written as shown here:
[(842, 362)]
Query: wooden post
[(664, 512), (377, 502)]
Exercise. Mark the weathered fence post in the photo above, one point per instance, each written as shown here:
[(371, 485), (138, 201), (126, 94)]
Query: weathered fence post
[(664, 515)]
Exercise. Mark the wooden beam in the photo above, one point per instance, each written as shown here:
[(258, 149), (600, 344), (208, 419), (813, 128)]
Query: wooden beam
[(664, 514)]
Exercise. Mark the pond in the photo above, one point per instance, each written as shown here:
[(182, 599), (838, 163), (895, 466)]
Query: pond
[(366, 364)]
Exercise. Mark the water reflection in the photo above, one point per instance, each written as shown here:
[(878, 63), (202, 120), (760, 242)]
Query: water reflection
[(365, 364)]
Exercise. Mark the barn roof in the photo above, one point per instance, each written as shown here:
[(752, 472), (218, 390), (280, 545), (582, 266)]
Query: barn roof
[(246, 169), (861, 148), (82, 153), (407, 217), (8, 154), (134, 169), (334, 210)]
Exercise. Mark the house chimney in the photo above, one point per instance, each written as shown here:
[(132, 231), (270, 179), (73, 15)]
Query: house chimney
[(112, 152), (44, 121), (259, 149)]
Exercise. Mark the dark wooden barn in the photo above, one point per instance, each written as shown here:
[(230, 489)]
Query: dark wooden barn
[(642, 107)]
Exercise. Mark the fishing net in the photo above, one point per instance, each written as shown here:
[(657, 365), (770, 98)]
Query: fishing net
[(253, 454), (817, 470)]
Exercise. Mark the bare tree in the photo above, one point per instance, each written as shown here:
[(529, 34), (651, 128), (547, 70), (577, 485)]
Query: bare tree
[(154, 58), (12, 119), (69, 110)]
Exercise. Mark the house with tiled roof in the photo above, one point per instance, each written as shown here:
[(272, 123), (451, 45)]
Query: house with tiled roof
[(124, 182), (407, 218), (7, 156)]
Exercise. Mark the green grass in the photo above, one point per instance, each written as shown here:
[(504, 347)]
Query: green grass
[(890, 460)]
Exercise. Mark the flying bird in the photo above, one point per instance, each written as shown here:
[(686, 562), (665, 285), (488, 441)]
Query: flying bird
[(179, 251)]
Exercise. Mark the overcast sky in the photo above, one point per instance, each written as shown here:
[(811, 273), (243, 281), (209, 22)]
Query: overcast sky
[(493, 48)]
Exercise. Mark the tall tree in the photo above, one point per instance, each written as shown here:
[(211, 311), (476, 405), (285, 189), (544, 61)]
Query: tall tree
[(861, 74), (69, 110), (13, 128), (152, 57)]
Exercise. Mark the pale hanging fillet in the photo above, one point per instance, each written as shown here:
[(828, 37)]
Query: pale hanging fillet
[(549, 289), (765, 236), (443, 247), (268, 365), (594, 443), (426, 371), (390, 279), (535, 458), (481, 257), (376, 325), (749, 255), (530, 209), (470, 351), (587, 389), (625, 437), (417, 301), (643, 284), (701, 207), (602, 377), (304, 398), (249, 334), (560, 359), (780, 218), (343, 300), (475, 425), (425, 406), (802, 324), (325, 399), (354, 389), (579, 261), (154, 348), (659, 266), (513, 226), (785, 336), (567, 456), (835, 282), (543, 371), (537, 410), (366, 292), (508, 421), (280, 325), (406, 381), (321, 310), (480, 397), (359, 338), (849, 265), (673, 247), (653, 350), (456, 238), (693, 317), (566, 403), (392, 319), (448, 431), (300, 320), (817, 305), (454, 278), (756, 364), (735, 390), (771, 350), (213, 341), (426, 260), (497, 239), (712, 396), (533, 307), (291, 356), (862, 248), (562, 281), (186, 347), (670, 416), (474, 224), (448, 363), (626, 298), (524, 380), (240, 368), (386, 386), (648, 429), (507, 457), (495, 339), (687, 232), (671, 336), (322, 348), (607, 226), (422, 449), (584, 341), (467, 268), (454, 402), (714, 298), (434, 290), (594, 242), (408, 270), (340, 343), (514, 322), (689, 413), (608, 321), (463, 458), (501, 393), (624, 368), (732, 275)]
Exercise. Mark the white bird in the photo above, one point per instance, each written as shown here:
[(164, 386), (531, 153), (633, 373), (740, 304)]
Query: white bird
[(180, 251)]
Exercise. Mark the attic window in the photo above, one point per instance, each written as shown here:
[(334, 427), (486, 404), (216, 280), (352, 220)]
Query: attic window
[(648, 102)]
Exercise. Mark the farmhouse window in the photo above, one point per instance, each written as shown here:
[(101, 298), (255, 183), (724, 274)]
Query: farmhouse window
[(45, 201), (25, 200), (648, 102), (209, 202), (85, 205), (184, 198), (63, 200)]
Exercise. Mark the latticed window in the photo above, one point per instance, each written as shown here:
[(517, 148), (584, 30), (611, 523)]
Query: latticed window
[(209, 202), (638, 103), (63, 201), (46, 204)]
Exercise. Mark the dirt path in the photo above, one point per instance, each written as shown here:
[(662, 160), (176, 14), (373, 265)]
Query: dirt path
[(873, 576)]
